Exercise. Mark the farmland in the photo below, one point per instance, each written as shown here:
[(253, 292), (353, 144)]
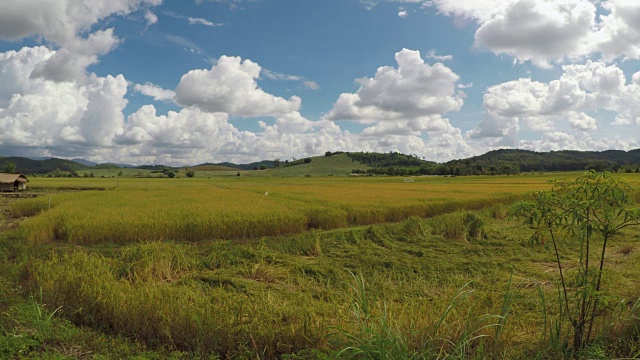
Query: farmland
[(262, 267)]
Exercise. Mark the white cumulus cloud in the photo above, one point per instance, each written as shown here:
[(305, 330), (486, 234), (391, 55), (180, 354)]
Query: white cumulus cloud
[(562, 103), (546, 32), (63, 22), (230, 86), (48, 114), (411, 90), (406, 104)]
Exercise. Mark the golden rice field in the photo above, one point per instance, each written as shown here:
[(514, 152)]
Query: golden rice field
[(247, 268), (126, 210)]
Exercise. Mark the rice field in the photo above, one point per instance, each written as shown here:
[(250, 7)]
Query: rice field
[(309, 268), (128, 210)]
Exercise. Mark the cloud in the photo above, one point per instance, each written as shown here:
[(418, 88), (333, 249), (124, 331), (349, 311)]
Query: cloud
[(619, 31), (546, 32), (273, 75), (403, 14), (566, 101), (414, 89), (184, 137), (201, 21), (230, 86), (539, 31), (70, 63), (187, 44), (403, 104), (150, 17), (46, 114), (311, 85), (85, 119), (432, 55), (582, 122), (154, 91), (62, 22)]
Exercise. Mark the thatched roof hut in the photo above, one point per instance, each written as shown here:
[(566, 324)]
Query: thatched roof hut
[(13, 182)]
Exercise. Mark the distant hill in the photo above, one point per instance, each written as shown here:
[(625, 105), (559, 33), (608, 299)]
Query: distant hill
[(30, 166), (504, 161), (339, 164), (379, 160), (514, 160), (84, 162), (268, 164), (212, 168)]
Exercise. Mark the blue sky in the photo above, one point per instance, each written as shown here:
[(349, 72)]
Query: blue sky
[(186, 82)]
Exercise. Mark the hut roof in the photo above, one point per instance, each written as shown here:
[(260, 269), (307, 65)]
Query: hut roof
[(11, 178)]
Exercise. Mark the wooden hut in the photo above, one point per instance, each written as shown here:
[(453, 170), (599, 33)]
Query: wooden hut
[(13, 182)]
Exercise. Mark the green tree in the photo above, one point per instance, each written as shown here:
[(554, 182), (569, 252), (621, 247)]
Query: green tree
[(586, 213), (191, 173), (8, 167)]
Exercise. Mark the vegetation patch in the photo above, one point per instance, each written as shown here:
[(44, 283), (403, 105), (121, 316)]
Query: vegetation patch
[(464, 281)]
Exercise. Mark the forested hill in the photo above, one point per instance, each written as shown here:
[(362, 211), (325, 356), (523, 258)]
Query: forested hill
[(252, 166), (30, 166), (505, 161), (380, 160), (513, 161)]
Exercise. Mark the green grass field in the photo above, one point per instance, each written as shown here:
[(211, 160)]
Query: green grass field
[(318, 268)]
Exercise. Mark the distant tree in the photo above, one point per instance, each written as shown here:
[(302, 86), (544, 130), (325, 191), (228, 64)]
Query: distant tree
[(91, 175), (328, 153), (8, 167), (307, 160), (120, 173), (85, 175), (238, 174), (276, 163), (171, 174), (191, 173), (615, 167), (263, 167)]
